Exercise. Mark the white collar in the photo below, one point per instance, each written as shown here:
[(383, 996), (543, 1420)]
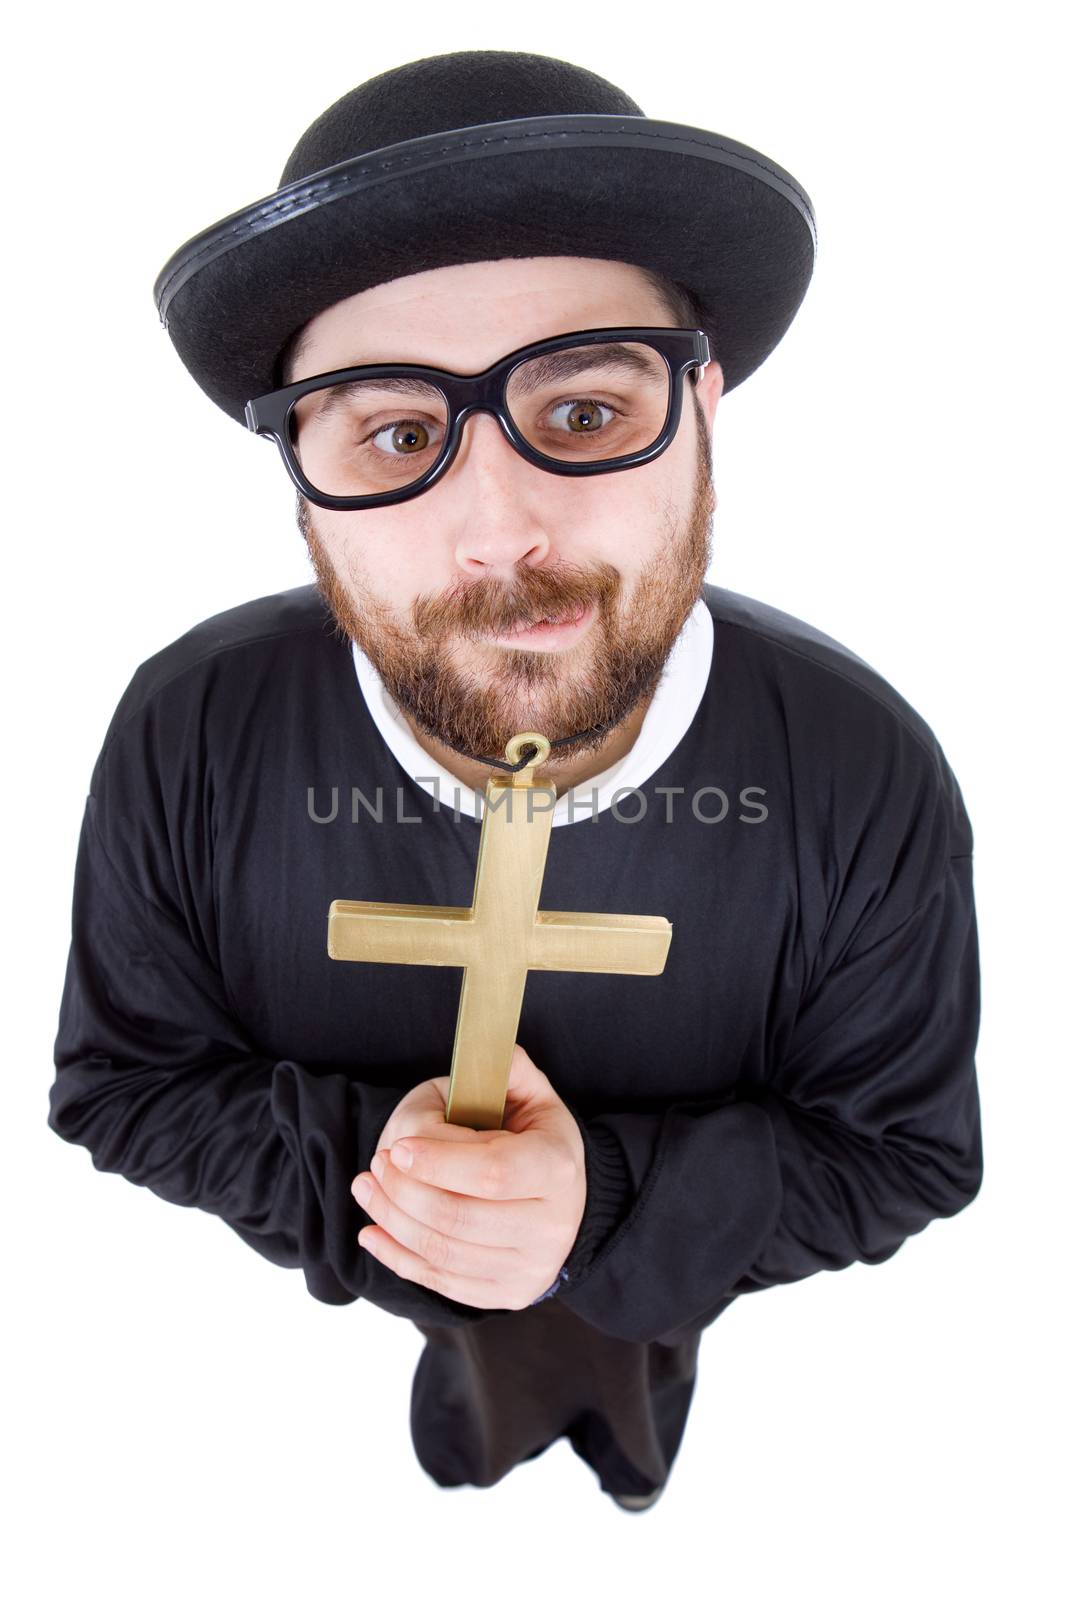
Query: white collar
[(678, 694)]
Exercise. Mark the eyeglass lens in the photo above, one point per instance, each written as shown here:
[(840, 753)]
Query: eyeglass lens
[(591, 402)]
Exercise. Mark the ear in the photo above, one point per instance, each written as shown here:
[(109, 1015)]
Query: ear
[(706, 392)]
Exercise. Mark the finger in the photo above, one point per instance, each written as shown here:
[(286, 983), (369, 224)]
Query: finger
[(459, 1216), (526, 1081), (445, 1131), (436, 1250), (452, 1132), (501, 1166), (406, 1264)]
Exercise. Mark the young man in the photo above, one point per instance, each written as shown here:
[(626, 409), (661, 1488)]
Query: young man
[(516, 537)]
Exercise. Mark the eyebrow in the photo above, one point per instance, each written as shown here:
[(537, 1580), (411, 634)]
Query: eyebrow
[(600, 358), (339, 393), (534, 371)]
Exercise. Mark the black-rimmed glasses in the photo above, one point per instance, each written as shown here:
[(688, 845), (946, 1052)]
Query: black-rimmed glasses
[(597, 400)]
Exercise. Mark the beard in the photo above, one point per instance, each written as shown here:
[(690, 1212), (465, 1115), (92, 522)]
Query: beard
[(587, 691)]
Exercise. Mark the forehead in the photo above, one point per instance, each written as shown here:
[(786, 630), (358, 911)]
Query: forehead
[(467, 316)]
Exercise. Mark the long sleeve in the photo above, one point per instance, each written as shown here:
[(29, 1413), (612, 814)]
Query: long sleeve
[(868, 1129), (155, 1077), (609, 1196)]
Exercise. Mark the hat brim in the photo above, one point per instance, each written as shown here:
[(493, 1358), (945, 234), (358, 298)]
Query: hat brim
[(729, 223)]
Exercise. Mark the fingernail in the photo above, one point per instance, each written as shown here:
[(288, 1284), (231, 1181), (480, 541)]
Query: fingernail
[(401, 1155), (361, 1190)]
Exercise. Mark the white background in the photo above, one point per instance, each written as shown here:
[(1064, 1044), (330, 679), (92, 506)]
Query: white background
[(182, 1417)]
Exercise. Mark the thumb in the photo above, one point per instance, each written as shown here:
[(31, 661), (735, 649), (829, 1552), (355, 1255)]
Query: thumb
[(529, 1090)]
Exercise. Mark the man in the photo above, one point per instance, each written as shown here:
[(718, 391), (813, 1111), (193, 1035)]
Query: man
[(515, 538)]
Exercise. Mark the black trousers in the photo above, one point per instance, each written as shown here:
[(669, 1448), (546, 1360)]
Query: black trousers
[(492, 1394)]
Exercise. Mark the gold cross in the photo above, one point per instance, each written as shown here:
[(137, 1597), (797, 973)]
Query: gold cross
[(498, 938)]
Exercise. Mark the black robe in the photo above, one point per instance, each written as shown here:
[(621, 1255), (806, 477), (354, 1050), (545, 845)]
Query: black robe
[(795, 1092)]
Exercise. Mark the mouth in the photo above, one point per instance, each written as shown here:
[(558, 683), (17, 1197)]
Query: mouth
[(553, 632)]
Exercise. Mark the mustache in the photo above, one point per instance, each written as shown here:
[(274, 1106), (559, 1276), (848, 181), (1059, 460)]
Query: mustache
[(493, 607)]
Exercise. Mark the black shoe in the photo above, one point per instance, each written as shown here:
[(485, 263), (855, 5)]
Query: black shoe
[(637, 1502)]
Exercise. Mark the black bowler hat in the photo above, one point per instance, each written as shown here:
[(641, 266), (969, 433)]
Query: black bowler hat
[(478, 155)]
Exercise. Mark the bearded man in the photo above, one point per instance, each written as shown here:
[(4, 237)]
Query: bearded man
[(487, 319)]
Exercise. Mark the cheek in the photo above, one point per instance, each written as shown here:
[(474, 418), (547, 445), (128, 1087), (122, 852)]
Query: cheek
[(667, 481), (399, 572), (633, 498), (403, 571), (375, 558)]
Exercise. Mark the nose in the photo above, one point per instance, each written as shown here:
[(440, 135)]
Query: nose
[(493, 443), (499, 523)]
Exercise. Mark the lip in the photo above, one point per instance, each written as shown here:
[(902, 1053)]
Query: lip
[(543, 636)]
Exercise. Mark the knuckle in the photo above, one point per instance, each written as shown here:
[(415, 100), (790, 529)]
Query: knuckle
[(493, 1175), (450, 1215), (435, 1248)]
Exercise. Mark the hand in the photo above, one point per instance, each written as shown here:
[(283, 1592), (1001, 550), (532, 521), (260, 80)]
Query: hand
[(483, 1216), (422, 1111)]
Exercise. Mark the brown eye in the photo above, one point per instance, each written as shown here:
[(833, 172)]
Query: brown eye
[(583, 416), (408, 436)]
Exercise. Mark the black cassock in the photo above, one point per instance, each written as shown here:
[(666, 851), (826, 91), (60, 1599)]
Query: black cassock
[(795, 1092)]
